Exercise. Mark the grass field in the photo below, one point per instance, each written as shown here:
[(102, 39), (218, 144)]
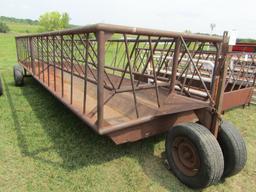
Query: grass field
[(22, 27), (44, 147)]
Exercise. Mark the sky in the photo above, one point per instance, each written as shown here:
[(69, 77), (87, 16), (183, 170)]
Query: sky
[(172, 15)]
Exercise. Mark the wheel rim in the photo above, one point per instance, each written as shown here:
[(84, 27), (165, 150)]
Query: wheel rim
[(185, 156)]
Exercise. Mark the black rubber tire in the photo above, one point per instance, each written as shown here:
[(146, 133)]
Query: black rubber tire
[(233, 149), (209, 152), (18, 73), (1, 86)]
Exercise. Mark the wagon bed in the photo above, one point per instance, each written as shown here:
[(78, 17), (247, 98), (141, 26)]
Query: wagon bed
[(118, 110)]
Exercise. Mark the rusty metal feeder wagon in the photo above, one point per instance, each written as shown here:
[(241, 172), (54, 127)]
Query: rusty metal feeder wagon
[(111, 77)]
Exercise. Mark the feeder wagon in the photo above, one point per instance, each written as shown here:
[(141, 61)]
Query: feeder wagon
[(112, 78)]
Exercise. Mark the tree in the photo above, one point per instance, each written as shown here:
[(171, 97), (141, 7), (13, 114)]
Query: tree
[(4, 28), (54, 21), (65, 20)]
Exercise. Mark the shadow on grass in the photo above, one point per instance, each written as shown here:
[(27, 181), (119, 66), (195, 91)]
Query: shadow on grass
[(77, 145)]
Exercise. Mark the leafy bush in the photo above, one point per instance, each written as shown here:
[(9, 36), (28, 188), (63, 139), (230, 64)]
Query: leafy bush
[(54, 21), (4, 28)]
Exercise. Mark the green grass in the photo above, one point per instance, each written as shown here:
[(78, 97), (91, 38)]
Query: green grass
[(22, 27), (44, 147)]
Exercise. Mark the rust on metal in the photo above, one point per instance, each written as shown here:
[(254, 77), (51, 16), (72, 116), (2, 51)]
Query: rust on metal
[(131, 83), (237, 98), (185, 156)]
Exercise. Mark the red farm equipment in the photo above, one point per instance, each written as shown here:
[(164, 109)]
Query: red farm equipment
[(132, 83)]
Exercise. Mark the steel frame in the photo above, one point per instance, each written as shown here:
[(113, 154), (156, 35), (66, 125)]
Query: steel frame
[(116, 60)]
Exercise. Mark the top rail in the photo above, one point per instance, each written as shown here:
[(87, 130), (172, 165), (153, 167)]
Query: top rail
[(130, 30)]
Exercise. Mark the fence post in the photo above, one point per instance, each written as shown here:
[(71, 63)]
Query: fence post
[(222, 72), (175, 64), (100, 77), (32, 54)]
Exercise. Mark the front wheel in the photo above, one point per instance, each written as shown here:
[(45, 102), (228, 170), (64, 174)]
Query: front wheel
[(194, 155)]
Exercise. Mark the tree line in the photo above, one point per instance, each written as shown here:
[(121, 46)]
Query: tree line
[(15, 20)]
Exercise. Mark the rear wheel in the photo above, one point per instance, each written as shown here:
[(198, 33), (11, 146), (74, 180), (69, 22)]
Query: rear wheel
[(233, 149), (18, 73), (194, 155), (1, 86)]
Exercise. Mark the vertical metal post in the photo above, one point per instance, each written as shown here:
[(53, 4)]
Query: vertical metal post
[(221, 86), (42, 49), (48, 60), (54, 62), (62, 72), (85, 71), (32, 54), (175, 64), (72, 68), (215, 79), (38, 56), (100, 75), (27, 50), (154, 71)]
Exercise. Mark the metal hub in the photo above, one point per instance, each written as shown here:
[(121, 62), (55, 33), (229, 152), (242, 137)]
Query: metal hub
[(185, 156)]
